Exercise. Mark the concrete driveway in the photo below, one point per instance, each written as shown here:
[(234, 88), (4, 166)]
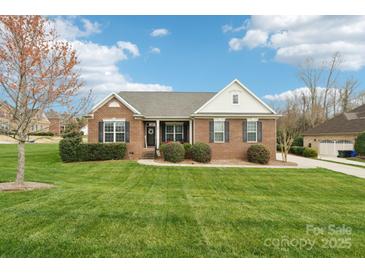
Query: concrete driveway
[(308, 163)]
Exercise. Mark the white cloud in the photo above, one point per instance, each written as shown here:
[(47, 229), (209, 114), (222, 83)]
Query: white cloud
[(294, 38), (100, 72), (252, 39), (159, 32), (155, 50), (229, 28), (67, 28), (99, 63), (128, 46), (294, 93)]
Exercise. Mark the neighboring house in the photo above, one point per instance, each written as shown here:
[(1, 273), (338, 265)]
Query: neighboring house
[(5, 117), (230, 121), (338, 133), (54, 119), (39, 124)]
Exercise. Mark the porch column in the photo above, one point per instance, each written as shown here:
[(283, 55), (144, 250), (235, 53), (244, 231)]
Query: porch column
[(157, 134), (190, 131)]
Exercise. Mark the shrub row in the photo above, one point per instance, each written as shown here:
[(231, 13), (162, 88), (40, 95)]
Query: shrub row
[(176, 152), (48, 133), (72, 150), (303, 151)]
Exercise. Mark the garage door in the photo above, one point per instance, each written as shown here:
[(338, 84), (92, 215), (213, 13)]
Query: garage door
[(331, 147)]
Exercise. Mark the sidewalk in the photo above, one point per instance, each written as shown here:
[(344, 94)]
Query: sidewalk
[(342, 160)]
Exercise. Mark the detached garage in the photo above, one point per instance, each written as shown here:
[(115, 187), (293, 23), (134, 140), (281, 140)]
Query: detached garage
[(338, 133)]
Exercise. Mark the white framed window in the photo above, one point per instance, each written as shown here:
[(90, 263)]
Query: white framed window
[(174, 132), (114, 131), (235, 100), (219, 131), (251, 131)]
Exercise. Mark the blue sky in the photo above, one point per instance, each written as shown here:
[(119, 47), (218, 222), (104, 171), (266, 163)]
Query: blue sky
[(204, 53)]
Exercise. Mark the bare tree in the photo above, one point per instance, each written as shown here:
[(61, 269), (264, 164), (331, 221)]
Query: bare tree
[(36, 71), (346, 92), (287, 130), (331, 78)]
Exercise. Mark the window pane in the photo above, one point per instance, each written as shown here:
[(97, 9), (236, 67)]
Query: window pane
[(119, 126), (119, 137), (218, 136), (251, 136), (169, 137), (109, 126), (235, 98), (251, 126), (109, 137), (178, 128), (218, 126), (178, 137), (169, 129)]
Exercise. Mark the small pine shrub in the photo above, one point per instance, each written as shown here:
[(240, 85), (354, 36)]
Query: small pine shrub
[(173, 152), (69, 149), (297, 150), (258, 154), (360, 144), (201, 152), (310, 152)]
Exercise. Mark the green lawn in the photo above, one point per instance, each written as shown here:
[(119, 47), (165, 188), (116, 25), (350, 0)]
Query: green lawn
[(122, 209)]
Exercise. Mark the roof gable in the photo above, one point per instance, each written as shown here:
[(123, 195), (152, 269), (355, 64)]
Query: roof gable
[(120, 99), (248, 102)]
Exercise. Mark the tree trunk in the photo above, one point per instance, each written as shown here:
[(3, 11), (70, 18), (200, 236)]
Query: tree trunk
[(21, 164)]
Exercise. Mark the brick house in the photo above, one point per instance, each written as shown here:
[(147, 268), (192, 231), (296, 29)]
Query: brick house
[(338, 133), (230, 121), (40, 123)]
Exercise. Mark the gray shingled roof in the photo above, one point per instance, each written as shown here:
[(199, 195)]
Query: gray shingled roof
[(165, 103), (350, 122)]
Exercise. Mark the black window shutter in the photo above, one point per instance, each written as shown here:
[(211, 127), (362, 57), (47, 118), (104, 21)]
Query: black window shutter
[(186, 132), (244, 130), (211, 131), (226, 131), (259, 131), (101, 131), (163, 131), (127, 130)]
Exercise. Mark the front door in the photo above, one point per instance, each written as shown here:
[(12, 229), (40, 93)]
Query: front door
[(151, 136)]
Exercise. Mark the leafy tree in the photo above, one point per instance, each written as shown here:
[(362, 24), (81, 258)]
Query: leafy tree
[(36, 71)]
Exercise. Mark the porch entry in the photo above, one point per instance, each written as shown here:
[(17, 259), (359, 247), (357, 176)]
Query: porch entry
[(151, 134), (167, 131)]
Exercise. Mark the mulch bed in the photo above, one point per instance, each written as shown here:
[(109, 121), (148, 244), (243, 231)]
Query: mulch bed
[(10, 186)]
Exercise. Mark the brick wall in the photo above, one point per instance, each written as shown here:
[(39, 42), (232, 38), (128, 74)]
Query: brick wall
[(136, 144), (235, 148), (54, 125)]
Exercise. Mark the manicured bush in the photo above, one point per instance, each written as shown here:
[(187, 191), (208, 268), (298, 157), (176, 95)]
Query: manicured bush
[(258, 154), (360, 144), (187, 148), (297, 150), (69, 149), (298, 141), (173, 152), (99, 152), (72, 150), (310, 152), (201, 152), (48, 133)]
